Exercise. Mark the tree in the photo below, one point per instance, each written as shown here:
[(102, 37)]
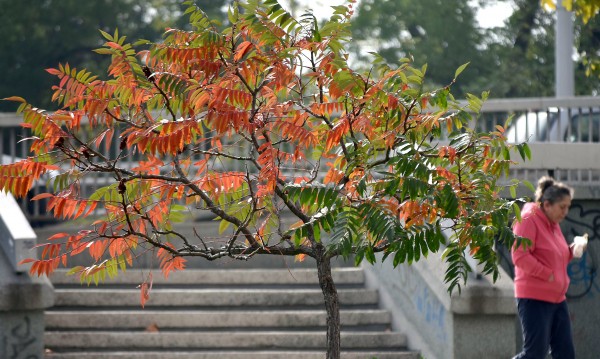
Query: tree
[(252, 122), (524, 60)]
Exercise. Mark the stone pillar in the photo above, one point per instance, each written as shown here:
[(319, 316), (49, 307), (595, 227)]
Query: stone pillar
[(23, 299), (563, 52)]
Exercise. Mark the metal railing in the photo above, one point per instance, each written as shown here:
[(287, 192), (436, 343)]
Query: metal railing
[(564, 136)]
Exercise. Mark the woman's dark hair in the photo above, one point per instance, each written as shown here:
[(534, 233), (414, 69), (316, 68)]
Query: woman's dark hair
[(552, 191)]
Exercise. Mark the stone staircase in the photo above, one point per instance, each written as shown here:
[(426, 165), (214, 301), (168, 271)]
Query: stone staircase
[(217, 313)]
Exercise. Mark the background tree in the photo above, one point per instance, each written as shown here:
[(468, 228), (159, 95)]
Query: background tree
[(38, 34), (513, 60), (444, 34), (252, 124), (524, 60)]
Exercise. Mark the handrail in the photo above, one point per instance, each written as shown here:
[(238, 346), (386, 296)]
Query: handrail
[(491, 105)]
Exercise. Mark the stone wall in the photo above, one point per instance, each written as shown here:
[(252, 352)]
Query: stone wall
[(477, 323)]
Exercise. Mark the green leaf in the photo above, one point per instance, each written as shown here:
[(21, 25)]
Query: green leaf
[(104, 51), (517, 210), (460, 69), (370, 255), (223, 226), (106, 35), (527, 151), (400, 257)]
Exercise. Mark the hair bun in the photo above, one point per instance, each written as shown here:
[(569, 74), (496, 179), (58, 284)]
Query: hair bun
[(545, 182), (548, 189)]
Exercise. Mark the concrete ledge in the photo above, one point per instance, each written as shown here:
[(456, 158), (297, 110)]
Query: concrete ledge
[(551, 155)]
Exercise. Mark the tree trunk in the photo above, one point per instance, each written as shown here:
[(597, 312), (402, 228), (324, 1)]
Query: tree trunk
[(332, 304)]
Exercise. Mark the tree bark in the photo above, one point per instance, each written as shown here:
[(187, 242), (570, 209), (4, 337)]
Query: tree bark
[(332, 304)]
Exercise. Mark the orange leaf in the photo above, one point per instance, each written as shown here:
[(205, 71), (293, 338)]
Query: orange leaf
[(145, 289), (15, 98), (242, 50)]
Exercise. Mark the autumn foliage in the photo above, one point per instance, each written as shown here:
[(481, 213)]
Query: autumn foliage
[(262, 120)]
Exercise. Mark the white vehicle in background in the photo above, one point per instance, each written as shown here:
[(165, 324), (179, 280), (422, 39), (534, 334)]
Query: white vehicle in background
[(554, 125)]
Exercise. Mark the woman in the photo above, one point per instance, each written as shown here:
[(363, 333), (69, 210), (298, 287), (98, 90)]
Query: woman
[(541, 279)]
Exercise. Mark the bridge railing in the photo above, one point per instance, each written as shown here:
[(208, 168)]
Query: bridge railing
[(564, 136)]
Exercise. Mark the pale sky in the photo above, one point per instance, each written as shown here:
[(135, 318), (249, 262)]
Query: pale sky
[(490, 16)]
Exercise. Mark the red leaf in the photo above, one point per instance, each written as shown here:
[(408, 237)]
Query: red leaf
[(114, 45), (53, 71), (58, 235), (42, 196), (27, 260)]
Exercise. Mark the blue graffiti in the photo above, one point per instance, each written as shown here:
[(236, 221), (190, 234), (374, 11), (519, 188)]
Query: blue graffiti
[(583, 271), (583, 274), (432, 310)]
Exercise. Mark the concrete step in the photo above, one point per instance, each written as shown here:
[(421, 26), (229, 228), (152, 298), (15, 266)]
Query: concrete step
[(344, 276), (222, 340), (231, 355), (182, 319), (203, 298), (217, 313)]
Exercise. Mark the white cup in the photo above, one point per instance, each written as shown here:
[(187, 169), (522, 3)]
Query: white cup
[(579, 245)]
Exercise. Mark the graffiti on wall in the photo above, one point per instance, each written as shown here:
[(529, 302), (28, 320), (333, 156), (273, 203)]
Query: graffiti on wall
[(583, 271), (18, 340)]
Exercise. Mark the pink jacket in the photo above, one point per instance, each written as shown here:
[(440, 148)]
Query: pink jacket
[(548, 254)]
